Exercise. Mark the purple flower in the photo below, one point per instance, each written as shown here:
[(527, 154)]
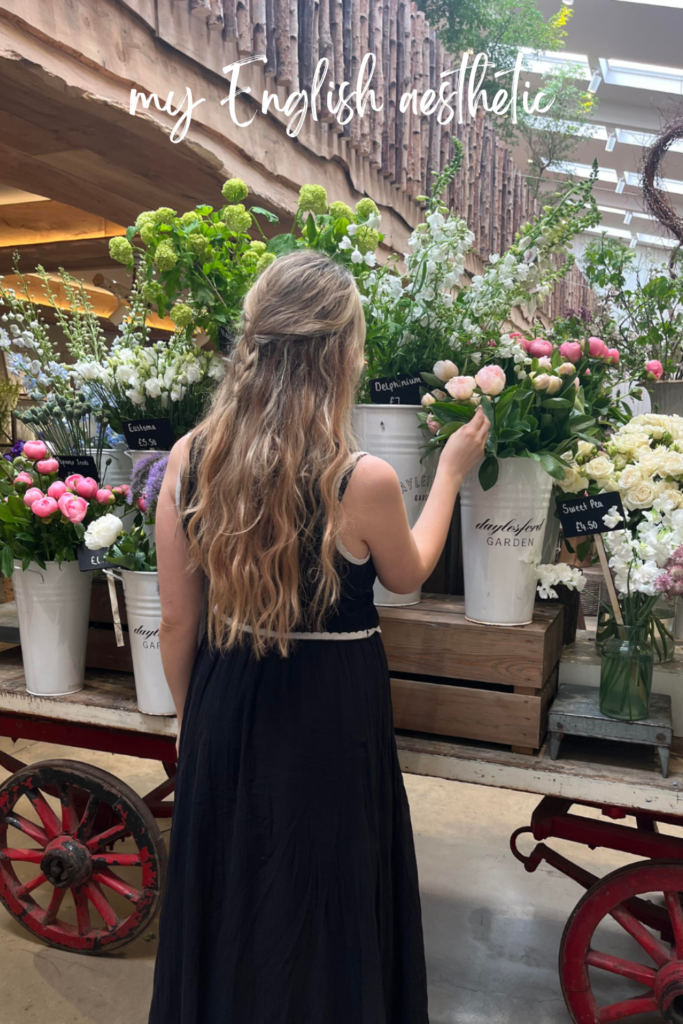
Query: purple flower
[(154, 482), (141, 472), (15, 451)]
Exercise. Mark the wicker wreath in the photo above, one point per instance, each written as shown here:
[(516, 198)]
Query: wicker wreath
[(656, 200)]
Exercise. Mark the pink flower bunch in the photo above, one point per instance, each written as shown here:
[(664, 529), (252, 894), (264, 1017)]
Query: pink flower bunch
[(572, 351), (654, 369), (670, 582), (70, 498)]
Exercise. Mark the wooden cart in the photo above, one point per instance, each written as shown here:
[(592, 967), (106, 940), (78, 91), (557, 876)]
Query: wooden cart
[(105, 829)]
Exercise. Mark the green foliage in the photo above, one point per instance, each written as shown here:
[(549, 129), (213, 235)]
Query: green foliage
[(134, 550)]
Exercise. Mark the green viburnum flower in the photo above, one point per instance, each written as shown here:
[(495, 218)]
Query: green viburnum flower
[(265, 261), (313, 198), (181, 315), (189, 218), (258, 247), (164, 215), (147, 233), (237, 219), (340, 209), (366, 207), (197, 244), (367, 239), (234, 190), (165, 257), (152, 292), (146, 217), (121, 250)]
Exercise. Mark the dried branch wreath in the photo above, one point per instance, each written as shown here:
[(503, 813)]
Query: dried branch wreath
[(656, 200)]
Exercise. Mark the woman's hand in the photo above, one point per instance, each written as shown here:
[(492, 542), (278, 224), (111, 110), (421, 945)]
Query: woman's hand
[(465, 448)]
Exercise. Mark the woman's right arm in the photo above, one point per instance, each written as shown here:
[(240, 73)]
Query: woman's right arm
[(404, 558)]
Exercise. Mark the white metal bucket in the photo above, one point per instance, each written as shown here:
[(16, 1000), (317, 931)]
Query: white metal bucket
[(136, 457), (393, 433), (501, 528), (118, 471), (143, 608), (53, 606)]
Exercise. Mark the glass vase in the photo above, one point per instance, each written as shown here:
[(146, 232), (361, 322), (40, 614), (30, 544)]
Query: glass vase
[(626, 675), (659, 631)]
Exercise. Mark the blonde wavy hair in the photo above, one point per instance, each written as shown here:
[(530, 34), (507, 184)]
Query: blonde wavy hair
[(269, 457)]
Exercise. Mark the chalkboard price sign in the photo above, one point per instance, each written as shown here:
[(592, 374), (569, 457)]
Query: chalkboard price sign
[(401, 390), (583, 517), (83, 464), (149, 435), (89, 560)]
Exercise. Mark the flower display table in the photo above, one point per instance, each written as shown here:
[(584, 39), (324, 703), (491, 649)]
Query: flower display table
[(452, 677)]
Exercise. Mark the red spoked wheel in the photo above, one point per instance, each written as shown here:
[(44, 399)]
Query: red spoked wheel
[(656, 962), (64, 829)]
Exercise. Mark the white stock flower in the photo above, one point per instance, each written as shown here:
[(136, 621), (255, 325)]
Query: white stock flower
[(103, 532)]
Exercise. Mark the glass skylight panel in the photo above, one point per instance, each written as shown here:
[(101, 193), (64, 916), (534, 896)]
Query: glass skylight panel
[(644, 139), (544, 62), (664, 243), (612, 232), (642, 76), (584, 170), (666, 184), (586, 131), (659, 3), (612, 209)]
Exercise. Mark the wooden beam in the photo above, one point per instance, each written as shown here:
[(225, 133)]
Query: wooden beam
[(48, 221)]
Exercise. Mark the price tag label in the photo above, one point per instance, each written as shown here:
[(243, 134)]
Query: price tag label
[(149, 435), (583, 517), (401, 390), (83, 464), (89, 560)]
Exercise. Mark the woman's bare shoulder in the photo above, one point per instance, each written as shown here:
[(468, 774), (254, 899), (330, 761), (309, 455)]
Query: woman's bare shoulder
[(373, 479)]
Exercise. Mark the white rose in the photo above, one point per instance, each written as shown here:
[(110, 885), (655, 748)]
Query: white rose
[(585, 449), (153, 387), (102, 533), (630, 478), (599, 468), (671, 464), (641, 496)]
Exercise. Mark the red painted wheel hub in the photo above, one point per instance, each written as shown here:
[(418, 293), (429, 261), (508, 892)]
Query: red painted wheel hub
[(657, 969), (61, 863)]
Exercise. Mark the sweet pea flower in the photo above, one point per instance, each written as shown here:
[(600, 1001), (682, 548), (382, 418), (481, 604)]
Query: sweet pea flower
[(86, 487), (490, 380), (72, 480), (105, 496), (540, 347), (445, 369), (35, 450), (654, 369), (33, 494), (47, 467), (545, 362), (44, 507), (57, 489), (564, 369), (432, 423), (22, 480), (571, 350), (612, 356), (461, 388), (597, 348)]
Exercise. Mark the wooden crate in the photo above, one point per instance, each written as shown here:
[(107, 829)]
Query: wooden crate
[(456, 678), (102, 651)]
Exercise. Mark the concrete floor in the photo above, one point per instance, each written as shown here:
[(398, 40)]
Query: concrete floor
[(492, 931)]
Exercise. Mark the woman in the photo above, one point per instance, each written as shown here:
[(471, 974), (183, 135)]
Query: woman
[(292, 895)]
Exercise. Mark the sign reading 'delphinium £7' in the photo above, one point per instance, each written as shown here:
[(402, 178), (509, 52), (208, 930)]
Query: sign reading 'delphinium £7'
[(581, 517), (149, 435), (401, 390)]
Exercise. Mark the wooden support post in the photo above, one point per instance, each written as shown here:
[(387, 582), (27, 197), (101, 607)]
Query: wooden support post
[(611, 590)]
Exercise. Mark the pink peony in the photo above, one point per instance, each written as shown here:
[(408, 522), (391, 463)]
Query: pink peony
[(64, 501), (142, 504), (586, 372), (524, 343), (105, 496), (654, 369), (541, 382), (72, 480), (33, 494), (86, 487), (571, 350), (597, 348), (432, 423), (461, 388), (35, 450), (612, 356), (545, 363), (44, 507), (47, 466), (490, 380), (72, 507), (564, 369), (23, 480), (540, 347), (57, 489), (123, 489)]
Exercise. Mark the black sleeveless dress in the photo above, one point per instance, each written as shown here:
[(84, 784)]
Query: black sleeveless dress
[(292, 895)]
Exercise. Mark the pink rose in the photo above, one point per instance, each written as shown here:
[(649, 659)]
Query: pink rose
[(33, 494), (105, 496), (72, 480), (539, 347), (44, 507), (432, 423), (490, 380), (35, 450), (142, 504), (654, 369), (597, 348), (47, 466), (86, 487), (571, 350), (461, 388), (57, 489), (23, 480)]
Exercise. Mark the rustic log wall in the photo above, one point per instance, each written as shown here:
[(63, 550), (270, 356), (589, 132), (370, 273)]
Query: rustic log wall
[(406, 148)]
